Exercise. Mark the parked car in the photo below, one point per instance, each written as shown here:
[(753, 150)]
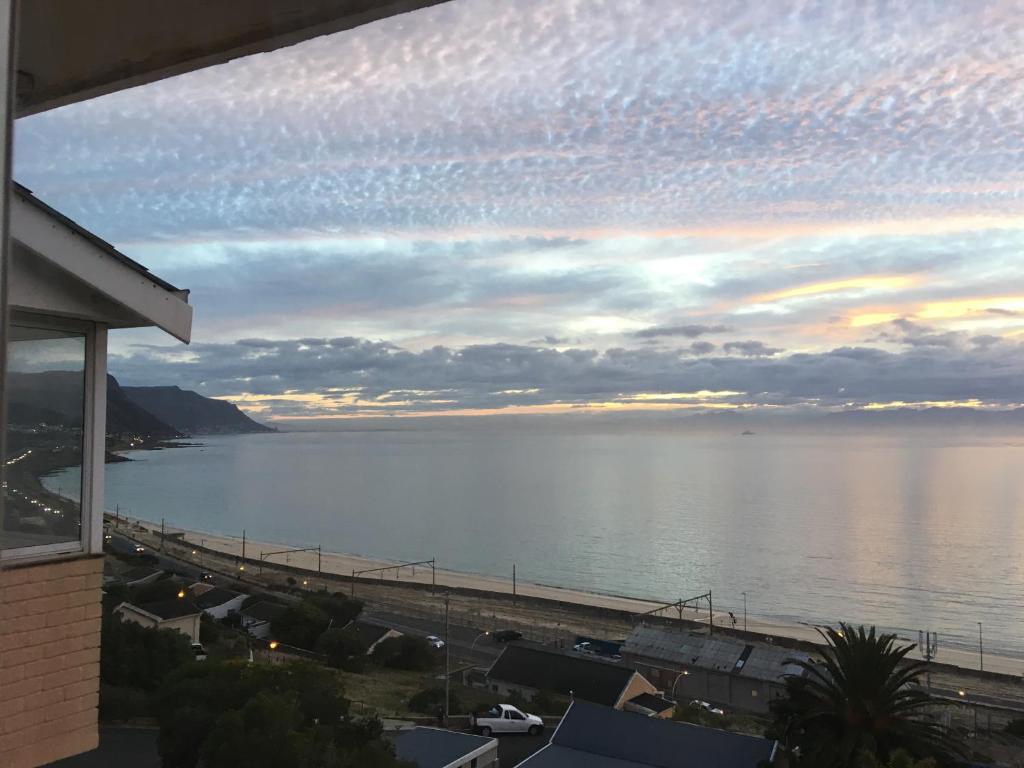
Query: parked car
[(583, 648), (435, 641), (707, 707), (504, 718), (139, 549), (507, 636), (199, 651)]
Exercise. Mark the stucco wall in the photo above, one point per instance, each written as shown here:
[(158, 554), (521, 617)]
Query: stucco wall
[(49, 660)]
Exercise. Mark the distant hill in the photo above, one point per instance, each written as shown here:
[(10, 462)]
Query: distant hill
[(191, 413), (55, 397)]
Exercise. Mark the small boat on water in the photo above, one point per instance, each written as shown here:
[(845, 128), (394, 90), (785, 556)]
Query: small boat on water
[(747, 433)]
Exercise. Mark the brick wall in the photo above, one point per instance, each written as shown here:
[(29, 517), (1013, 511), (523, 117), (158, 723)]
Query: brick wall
[(49, 660)]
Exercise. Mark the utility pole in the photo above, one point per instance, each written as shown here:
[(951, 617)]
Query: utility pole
[(162, 539), (447, 662), (243, 546), (711, 616), (513, 583), (928, 646), (744, 611), (318, 561), (981, 651)]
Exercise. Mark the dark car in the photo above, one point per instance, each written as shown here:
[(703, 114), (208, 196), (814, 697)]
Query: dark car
[(507, 635)]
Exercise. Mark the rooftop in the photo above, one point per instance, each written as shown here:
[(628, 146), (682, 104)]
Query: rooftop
[(171, 608), (263, 611), (591, 736), (436, 748), (367, 632), (758, 661), (211, 598), (547, 670), (654, 703)]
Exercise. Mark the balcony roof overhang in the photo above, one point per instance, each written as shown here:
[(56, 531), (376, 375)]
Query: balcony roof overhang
[(60, 268), (69, 52)]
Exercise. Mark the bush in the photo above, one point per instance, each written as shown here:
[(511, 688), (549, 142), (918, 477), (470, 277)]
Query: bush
[(1015, 727), (122, 703), (405, 652), (291, 581), (343, 648), (263, 716), (135, 656), (548, 703), (430, 701), (303, 623)]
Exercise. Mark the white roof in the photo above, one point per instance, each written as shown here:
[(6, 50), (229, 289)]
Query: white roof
[(59, 267)]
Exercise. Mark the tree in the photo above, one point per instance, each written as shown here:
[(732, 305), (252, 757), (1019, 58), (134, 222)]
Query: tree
[(430, 700), (343, 648), (263, 716), (300, 625), (140, 657), (405, 652), (303, 622), (861, 698)]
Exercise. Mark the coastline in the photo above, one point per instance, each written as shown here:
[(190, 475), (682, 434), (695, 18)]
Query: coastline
[(344, 564)]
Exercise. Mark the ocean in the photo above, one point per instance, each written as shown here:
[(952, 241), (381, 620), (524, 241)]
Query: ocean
[(909, 533)]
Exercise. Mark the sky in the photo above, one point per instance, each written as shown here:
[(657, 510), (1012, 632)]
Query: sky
[(577, 206)]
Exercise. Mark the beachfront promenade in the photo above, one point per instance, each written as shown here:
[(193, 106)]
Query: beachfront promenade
[(344, 565)]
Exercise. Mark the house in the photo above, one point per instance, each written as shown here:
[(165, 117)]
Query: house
[(651, 705), (61, 286), (216, 601), (67, 288), (592, 736), (175, 613), (437, 748), (527, 669), (139, 575), (371, 634), (736, 673), (257, 617)]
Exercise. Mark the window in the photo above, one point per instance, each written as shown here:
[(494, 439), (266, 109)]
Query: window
[(515, 715), (48, 438)]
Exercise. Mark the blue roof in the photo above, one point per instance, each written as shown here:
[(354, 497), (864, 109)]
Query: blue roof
[(591, 736), (436, 748)]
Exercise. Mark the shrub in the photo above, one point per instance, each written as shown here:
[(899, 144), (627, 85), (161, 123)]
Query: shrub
[(343, 648), (548, 703), (122, 703), (430, 701), (263, 716), (405, 652), (1015, 727), (137, 656)]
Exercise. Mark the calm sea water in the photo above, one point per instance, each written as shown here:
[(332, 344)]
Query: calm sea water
[(905, 532)]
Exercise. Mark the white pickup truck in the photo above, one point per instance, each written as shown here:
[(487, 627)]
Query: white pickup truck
[(504, 718)]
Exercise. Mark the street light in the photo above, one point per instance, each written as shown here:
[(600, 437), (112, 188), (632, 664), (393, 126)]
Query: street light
[(273, 645), (473, 644), (181, 593), (744, 611), (981, 651), (684, 673), (963, 695)]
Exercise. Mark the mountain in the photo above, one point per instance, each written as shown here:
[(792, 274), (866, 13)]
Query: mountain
[(55, 398), (126, 417), (191, 413)]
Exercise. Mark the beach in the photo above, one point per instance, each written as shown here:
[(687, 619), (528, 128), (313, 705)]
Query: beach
[(396, 573)]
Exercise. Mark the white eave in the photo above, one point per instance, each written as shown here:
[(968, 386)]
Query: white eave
[(120, 292)]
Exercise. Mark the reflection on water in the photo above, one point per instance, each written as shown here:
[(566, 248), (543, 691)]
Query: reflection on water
[(909, 533)]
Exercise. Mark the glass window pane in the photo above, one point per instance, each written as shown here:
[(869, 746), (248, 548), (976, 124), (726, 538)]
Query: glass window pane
[(45, 416)]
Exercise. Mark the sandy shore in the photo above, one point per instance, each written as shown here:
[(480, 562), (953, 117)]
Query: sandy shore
[(332, 562)]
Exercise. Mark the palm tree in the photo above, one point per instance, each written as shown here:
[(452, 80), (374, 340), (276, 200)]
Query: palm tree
[(861, 697)]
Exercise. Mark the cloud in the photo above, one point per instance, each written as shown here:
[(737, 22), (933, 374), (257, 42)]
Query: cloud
[(351, 376), (751, 348), (691, 331)]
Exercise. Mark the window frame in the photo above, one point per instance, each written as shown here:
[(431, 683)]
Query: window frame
[(94, 413)]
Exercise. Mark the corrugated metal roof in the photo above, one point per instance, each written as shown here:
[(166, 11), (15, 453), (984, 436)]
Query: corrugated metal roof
[(590, 735), (757, 661)]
